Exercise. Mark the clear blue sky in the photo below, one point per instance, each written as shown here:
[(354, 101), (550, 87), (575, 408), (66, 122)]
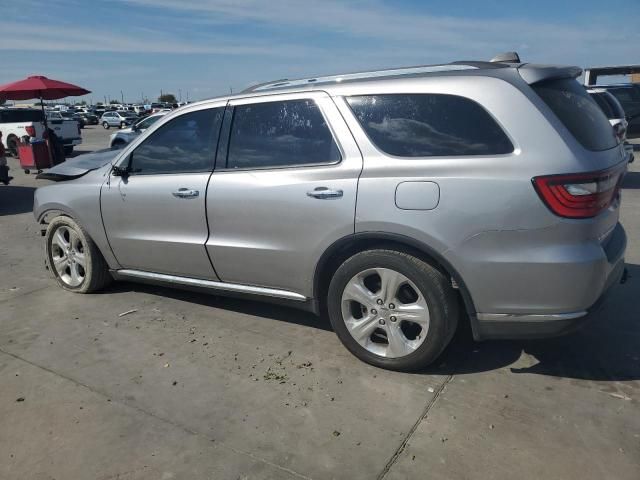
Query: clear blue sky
[(206, 47)]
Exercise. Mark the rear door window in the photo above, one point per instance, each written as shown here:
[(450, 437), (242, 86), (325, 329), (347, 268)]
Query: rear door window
[(429, 125), (280, 134), (578, 112)]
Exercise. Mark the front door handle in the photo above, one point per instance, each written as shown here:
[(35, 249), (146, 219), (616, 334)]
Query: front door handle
[(324, 193), (186, 193)]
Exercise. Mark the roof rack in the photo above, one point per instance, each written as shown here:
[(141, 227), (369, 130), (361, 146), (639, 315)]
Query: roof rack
[(393, 72)]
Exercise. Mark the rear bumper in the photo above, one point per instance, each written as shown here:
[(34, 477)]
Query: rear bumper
[(72, 141), (491, 326)]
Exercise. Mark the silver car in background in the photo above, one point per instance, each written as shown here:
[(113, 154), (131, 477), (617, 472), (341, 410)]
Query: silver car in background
[(124, 136), (398, 202)]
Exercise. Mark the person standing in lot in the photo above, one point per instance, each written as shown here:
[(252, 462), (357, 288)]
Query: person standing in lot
[(4, 169)]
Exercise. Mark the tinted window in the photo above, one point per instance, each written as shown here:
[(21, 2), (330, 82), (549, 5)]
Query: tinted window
[(578, 112), (185, 144), (147, 122), (425, 125), (280, 134), (19, 116)]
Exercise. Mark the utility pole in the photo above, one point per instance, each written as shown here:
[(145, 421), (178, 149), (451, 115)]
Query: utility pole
[(180, 95), (105, 100), (122, 97)]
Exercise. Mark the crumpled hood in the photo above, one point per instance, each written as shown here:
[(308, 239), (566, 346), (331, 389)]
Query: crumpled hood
[(80, 165)]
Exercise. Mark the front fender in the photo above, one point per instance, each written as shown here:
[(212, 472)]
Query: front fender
[(80, 200)]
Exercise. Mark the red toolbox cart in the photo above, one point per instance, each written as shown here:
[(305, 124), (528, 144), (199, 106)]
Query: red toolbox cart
[(34, 156)]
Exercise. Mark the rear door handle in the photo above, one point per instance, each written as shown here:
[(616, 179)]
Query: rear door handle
[(186, 193), (324, 193)]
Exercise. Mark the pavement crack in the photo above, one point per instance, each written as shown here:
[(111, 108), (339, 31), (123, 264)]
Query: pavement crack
[(425, 413), (186, 429)]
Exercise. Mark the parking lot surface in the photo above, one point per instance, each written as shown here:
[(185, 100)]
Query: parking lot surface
[(143, 382)]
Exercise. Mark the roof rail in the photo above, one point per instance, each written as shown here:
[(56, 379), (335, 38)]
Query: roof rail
[(392, 72)]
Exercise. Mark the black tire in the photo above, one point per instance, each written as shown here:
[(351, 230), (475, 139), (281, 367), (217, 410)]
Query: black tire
[(68, 150), (96, 271), (106, 126), (432, 284), (12, 145), (122, 125)]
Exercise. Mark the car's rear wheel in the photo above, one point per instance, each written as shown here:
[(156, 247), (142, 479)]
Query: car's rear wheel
[(392, 310), (73, 258), (105, 125)]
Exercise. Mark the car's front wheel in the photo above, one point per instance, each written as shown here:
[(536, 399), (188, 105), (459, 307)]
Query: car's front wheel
[(73, 258), (105, 125), (392, 310)]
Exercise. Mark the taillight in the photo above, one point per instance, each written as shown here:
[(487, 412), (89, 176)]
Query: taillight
[(580, 195), (31, 130)]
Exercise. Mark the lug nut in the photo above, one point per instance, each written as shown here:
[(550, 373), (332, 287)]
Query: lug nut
[(392, 306), (393, 319), (374, 311), (380, 302), (381, 321)]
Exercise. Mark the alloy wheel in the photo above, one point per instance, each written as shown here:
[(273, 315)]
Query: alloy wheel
[(385, 312), (68, 256)]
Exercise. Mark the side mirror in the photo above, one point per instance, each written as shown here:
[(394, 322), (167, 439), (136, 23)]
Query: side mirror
[(120, 172)]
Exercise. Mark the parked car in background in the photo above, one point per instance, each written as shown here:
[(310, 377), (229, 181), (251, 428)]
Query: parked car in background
[(69, 115), (117, 119), (628, 94), (89, 118), (615, 113), (16, 123), (394, 200), (124, 136), (66, 129), (140, 110), (156, 107)]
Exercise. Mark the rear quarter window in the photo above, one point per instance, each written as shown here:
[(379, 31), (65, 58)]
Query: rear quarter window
[(578, 112), (428, 125)]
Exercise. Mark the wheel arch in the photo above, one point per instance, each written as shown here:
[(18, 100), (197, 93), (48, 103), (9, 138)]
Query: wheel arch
[(339, 251), (46, 213)]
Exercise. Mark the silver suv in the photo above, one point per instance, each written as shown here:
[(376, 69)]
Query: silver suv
[(399, 202)]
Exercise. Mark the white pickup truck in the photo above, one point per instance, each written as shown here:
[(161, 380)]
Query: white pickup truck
[(16, 123), (67, 130)]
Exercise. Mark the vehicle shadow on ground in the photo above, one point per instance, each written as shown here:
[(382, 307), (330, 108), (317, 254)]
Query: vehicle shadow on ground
[(606, 349), (631, 181), (15, 199), (245, 306)]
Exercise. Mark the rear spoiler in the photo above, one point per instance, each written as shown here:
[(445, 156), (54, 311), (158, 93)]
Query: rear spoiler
[(532, 73)]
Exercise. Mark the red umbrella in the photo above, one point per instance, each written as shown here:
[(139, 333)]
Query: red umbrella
[(40, 87)]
